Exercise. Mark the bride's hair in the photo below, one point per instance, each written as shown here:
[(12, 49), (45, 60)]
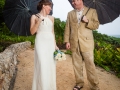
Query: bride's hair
[(43, 2)]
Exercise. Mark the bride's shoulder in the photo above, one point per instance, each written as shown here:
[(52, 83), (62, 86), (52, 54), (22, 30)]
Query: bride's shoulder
[(51, 17), (34, 16)]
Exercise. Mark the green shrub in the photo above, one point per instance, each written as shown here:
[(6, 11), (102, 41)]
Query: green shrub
[(59, 27), (2, 2), (7, 38)]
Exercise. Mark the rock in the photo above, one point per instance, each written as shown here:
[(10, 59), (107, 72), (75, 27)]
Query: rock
[(8, 64)]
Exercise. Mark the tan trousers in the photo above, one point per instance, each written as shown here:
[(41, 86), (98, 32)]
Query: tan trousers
[(88, 57)]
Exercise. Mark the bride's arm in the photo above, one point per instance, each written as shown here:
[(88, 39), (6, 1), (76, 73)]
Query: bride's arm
[(54, 34), (34, 24)]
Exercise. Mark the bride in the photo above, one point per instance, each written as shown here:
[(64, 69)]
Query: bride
[(44, 64)]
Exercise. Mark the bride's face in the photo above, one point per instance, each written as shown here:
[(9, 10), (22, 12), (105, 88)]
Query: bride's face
[(47, 8)]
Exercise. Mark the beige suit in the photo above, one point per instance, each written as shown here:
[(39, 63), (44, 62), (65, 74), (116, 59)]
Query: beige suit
[(81, 40)]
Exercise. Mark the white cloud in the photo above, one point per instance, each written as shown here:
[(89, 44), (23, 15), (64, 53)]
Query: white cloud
[(112, 28), (61, 8)]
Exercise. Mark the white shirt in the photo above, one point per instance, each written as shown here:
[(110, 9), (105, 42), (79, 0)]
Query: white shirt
[(79, 14)]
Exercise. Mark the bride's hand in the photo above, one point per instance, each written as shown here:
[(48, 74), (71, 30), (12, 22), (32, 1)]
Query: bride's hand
[(56, 48), (39, 20)]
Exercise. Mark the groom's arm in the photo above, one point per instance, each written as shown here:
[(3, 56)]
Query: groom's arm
[(93, 23), (67, 30)]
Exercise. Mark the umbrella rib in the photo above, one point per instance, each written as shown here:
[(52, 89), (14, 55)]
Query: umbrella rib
[(20, 7), (20, 25), (17, 15), (25, 27), (108, 1), (101, 3), (13, 24), (28, 3), (105, 11), (29, 14), (8, 9), (89, 3), (25, 5), (113, 2)]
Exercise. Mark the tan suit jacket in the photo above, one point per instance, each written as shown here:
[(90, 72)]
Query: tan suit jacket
[(82, 31)]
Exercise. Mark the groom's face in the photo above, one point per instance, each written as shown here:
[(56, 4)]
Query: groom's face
[(76, 3)]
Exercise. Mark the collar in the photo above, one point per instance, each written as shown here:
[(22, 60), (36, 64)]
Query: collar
[(79, 10)]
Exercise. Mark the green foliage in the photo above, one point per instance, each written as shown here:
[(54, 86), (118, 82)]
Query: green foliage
[(59, 32), (107, 52), (68, 52), (7, 38), (2, 2), (108, 39)]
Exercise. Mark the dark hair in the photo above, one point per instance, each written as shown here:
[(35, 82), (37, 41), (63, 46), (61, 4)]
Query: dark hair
[(43, 2), (72, 0)]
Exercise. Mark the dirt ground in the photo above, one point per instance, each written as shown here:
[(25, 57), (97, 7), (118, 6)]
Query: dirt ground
[(65, 74)]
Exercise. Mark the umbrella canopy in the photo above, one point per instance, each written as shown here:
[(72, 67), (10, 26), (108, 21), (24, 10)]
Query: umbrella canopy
[(17, 14), (107, 10)]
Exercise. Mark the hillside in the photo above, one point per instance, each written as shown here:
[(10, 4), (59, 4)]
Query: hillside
[(117, 36)]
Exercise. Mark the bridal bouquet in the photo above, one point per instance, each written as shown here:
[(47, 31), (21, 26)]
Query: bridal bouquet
[(59, 55)]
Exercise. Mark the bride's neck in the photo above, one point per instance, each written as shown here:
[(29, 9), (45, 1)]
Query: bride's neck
[(43, 13)]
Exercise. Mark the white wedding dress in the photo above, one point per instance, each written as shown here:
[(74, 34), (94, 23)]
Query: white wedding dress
[(44, 63)]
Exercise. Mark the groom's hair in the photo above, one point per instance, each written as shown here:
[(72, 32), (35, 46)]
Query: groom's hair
[(72, 0)]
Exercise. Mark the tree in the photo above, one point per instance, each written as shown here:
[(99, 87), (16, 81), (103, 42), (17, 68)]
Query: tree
[(2, 2)]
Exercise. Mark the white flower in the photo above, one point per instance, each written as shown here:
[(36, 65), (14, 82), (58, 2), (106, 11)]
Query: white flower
[(60, 59), (59, 56), (56, 57), (63, 55)]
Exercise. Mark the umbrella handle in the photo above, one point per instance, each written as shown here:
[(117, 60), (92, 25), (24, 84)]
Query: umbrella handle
[(82, 17), (85, 13)]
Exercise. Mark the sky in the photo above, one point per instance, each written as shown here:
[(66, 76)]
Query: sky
[(62, 7)]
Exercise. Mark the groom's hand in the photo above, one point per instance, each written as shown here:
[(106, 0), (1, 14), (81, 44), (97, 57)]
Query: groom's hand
[(67, 45), (84, 19)]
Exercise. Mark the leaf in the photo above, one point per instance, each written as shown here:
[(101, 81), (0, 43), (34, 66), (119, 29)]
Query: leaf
[(118, 49), (106, 68)]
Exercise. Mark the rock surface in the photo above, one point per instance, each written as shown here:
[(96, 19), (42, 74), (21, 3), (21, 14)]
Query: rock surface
[(8, 63)]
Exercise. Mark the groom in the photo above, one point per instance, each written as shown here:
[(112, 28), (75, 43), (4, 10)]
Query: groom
[(78, 37)]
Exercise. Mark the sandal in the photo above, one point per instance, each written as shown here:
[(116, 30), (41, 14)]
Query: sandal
[(77, 87)]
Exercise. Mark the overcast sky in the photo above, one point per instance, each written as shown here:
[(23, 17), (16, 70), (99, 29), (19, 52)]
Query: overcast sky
[(62, 7)]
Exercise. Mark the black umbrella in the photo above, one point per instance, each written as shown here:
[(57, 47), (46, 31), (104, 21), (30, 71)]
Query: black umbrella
[(107, 10), (17, 15)]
